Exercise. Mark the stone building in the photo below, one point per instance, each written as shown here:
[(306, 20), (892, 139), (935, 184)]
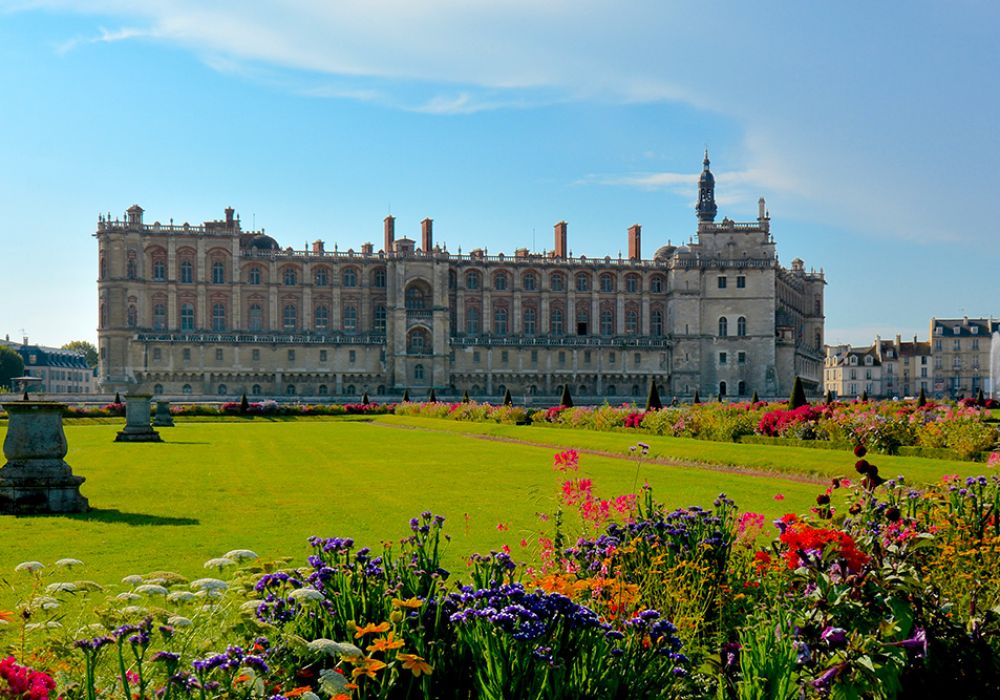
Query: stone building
[(885, 369), (58, 371), (212, 310), (961, 348)]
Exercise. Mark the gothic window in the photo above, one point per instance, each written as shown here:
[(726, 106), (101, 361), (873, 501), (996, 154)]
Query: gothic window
[(187, 317), (290, 390), (321, 317), (289, 317), (158, 389), (222, 390), (378, 278), (557, 281), (607, 282), (380, 319), (322, 277), (500, 321), (350, 319), (529, 281), (131, 271), (218, 317), (741, 326), (350, 277), (218, 273), (255, 390), (416, 299), (187, 272), (472, 280), (289, 277), (556, 322), (656, 323), (529, 320), (104, 267), (500, 281), (631, 321), (322, 390), (159, 316), (723, 327), (186, 389), (472, 321), (253, 277), (582, 282), (255, 320)]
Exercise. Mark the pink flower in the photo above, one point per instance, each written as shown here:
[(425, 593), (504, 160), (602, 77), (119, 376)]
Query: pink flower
[(566, 461), (779, 496), (502, 526)]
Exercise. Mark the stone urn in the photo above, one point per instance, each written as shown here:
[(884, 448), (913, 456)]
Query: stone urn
[(137, 422), (35, 478), (162, 417)]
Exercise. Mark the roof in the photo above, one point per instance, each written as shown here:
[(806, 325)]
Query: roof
[(49, 357), (967, 327)]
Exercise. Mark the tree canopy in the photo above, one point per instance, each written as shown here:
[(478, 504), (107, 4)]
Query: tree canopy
[(11, 365), (86, 347)]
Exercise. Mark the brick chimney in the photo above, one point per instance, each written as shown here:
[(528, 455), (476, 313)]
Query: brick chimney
[(427, 235), (317, 247), (229, 217), (634, 242), (390, 233), (367, 248), (560, 249)]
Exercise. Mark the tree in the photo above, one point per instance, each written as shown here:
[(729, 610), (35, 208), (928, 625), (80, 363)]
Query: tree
[(697, 397), (406, 395), (754, 398), (508, 400), (653, 402), (364, 399), (85, 347), (566, 401), (864, 395), (465, 396), (980, 399), (922, 398), (798, 397), (11, 365), (244, 404), (829, 397), (431, 396)]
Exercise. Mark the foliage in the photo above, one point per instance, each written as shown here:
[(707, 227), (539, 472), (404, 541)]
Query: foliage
[(88, 349), (11, 365)]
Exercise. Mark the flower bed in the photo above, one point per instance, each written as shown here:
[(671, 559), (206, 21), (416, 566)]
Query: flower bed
[(881, 590)]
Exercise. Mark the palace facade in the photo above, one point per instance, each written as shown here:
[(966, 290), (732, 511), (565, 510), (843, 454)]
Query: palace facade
[(212, 310)]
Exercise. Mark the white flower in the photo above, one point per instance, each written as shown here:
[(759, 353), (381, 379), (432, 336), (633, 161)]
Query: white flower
[(209, 607), (250, 606), (209, 593), (309, 696), (178, 621), (45, 602), (332, 648), (88, 585), (240, 554), (151, 589), (133, 610), (29, 566), (132, 580), (69, 563), (180, 596), (93, 628), (65, 587), (219, 563), (209, 584), (128, 595), (51, 625), (302, 595)]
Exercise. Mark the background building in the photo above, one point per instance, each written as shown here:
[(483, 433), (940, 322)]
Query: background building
[(213, 310), (59, 371), (885, 369), (961, 348)]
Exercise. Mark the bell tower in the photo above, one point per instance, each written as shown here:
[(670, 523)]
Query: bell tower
[(706, 194)]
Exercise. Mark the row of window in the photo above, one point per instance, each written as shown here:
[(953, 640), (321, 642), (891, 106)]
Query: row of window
[(741, 281), (956, 345), (419, 373)]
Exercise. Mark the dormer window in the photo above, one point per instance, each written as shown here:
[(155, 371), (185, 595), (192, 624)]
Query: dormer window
[(974, 330), (868, 360), (854, 359), (938, 330), (956, 330)]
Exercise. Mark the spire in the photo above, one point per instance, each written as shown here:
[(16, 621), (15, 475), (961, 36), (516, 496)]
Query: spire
[(706, 193)]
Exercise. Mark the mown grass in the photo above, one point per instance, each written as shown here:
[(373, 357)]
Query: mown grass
[(267, 486)]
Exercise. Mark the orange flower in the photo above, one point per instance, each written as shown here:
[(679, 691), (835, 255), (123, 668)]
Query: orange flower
[(341, 696), (386, 643), (408, 603), (301, 690), (367, 667), (6, 615), (414, 663), (371, 629)]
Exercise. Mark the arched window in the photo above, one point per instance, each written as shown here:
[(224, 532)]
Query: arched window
[(656, 284), (186, 389), (322, 390), (133, 316), (379, 323), (187, 272), (104, 267), (501, 390), (722, 388), (289, 277), (632, 284), (557, 282), (656, 323), (350, 319), (104, 315), (500, 281), (255, 390), (472, 321), (723, 327), (529, 320), (582, 282), (130, 267), (322, 277), (556, 326), (741, 326), (741, 388), (218, 317), (187, 317), (253, 276), (631, 321), (611, 390), (419, 342), (289, 317), (635, 390), (418, 371), (378, 278), (350, 277), (255, 318), (582, 322), (607, 323), (159, 270), (218, 273), (290, 390), (321, 318), (349, 390), (607, 282), (529, 281), (223, 390), (500, 321), (416, 298), (472, 280), (158, 389)]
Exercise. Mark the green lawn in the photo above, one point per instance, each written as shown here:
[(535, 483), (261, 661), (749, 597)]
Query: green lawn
[(267, 486)]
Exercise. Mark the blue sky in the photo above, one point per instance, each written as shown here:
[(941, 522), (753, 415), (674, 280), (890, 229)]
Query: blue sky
[(870, 128)]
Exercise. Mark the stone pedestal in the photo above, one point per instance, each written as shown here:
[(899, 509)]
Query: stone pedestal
[(137, 427), (35, 478), (162, 418)]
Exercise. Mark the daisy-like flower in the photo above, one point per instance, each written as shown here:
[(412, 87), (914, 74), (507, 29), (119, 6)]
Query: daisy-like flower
[(69, 563), (240, 554), (371, 629), (368, 667), (385, 643), (408, 603), (415, 664), (29, 566)]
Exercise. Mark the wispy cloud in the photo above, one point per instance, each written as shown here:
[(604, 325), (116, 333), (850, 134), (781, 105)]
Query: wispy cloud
[(105, 36)]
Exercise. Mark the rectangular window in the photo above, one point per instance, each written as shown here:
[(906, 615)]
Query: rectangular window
[(723, 358), (562, 357), (957, 345), (475, 356), (937, 346), (291, 356), (741, 358), (586, 357), (637, 359), (322, 355), (255, 355), (156, 354), (741, 281), (218, 354), (352, 356), (186, 354), (534, 357), (722, 283), (504, 356), (611, 358)]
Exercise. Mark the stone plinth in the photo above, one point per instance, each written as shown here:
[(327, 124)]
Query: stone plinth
[(35, 478), (137, 427), (162, 418)]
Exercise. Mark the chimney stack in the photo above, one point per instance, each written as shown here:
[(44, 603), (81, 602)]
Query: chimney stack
[(427, 235), (229, 217), (560, 249), (390, 233), (634, 242), (367, 248), (317, 247)]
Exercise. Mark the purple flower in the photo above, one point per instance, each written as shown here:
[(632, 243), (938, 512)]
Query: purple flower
[(826, 680), (834, 636)]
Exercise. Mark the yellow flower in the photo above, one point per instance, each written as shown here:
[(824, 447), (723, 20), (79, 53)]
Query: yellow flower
[(385, 643), (371, 629), (408, 603), (368, 667), (415, 663)]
